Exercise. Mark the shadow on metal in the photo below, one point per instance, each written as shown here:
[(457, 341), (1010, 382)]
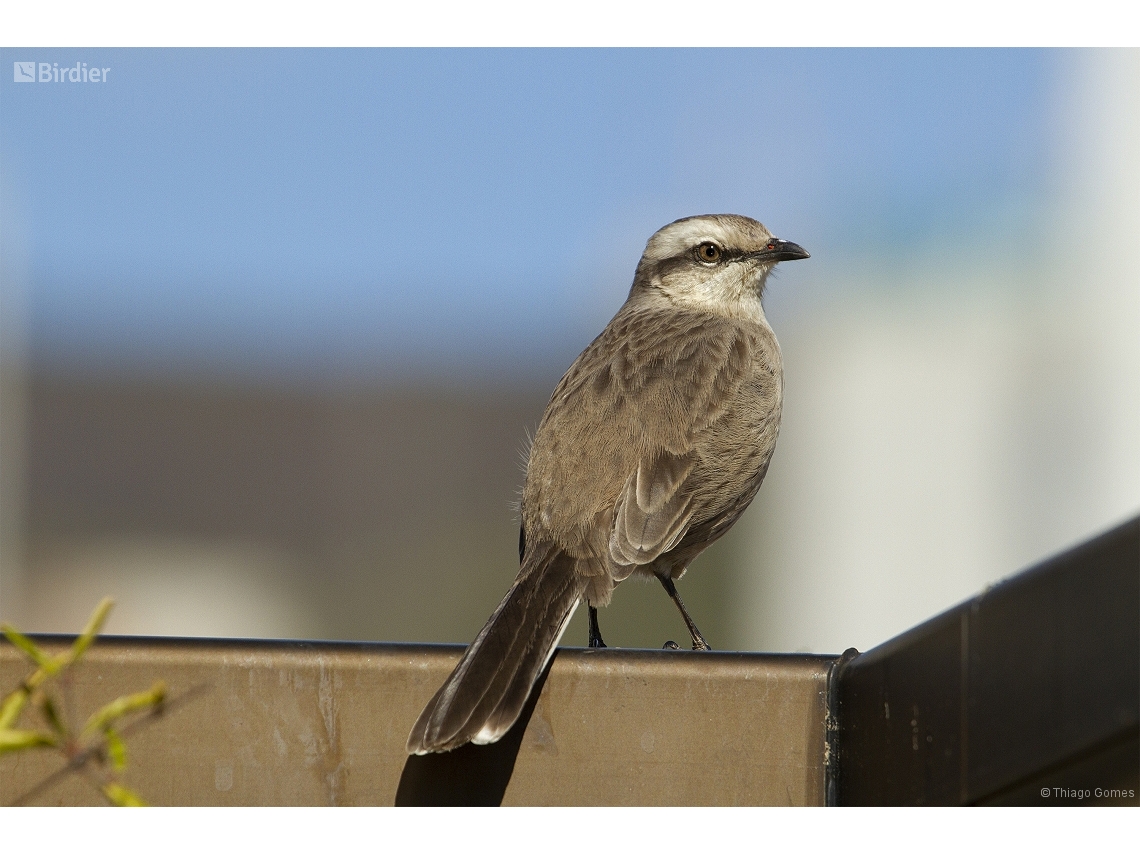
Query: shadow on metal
[(469, 776)]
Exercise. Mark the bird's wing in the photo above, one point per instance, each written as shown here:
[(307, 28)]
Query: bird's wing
[(653, 510), (620, 438)]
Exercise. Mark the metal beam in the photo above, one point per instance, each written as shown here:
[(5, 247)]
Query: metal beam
[(1029, 693), (315, 723)]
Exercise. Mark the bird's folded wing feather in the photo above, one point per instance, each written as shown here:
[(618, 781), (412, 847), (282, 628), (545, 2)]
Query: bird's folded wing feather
[(654, 509), (623, 433)]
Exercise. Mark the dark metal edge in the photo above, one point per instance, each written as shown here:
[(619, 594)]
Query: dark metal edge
[(832, 724)]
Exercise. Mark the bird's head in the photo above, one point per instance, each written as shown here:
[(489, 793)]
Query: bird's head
[(715, 261)]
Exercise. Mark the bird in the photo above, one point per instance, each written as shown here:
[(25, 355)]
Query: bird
[(652, 445)]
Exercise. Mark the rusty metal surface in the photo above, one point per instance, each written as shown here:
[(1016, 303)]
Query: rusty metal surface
[(304, 723)]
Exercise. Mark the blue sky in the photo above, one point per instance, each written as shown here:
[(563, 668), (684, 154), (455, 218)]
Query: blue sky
[(380, 212)]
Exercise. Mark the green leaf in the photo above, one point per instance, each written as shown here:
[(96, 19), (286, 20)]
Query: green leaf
[(120, 707), (29, 647), (11, 708), (116, 749), (47, 707), (94, 625), (120, 796), (18, 740)]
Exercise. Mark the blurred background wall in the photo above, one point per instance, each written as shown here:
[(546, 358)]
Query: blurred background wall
[(275, 324)]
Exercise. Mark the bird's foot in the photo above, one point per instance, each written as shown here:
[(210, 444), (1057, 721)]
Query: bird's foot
[(701, 644), (671, 645)]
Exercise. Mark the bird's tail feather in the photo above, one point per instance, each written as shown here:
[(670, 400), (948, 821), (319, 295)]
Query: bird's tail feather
[(488, 688)]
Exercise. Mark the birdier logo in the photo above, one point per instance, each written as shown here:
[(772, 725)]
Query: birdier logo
[(50, 72)]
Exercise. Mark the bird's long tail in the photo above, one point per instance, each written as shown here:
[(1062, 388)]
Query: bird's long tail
[(489, 687)]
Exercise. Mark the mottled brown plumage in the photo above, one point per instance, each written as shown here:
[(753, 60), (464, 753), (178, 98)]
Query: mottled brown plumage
[(652, 445)]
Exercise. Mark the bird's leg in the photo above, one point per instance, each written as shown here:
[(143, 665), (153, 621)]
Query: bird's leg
[(699, 642), (595, 633)]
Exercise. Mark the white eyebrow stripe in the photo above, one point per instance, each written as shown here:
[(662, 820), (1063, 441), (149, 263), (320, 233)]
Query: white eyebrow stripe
[(681, 237)]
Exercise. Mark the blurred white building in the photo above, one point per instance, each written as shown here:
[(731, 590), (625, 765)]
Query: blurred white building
[(973, 417)]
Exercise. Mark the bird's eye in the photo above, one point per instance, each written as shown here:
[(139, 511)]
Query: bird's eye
[(708, 252)]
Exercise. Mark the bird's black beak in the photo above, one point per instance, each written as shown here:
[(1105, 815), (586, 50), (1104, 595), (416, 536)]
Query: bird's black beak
[(782, 250)]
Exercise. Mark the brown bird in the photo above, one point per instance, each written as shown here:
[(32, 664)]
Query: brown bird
[(652, 445)]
